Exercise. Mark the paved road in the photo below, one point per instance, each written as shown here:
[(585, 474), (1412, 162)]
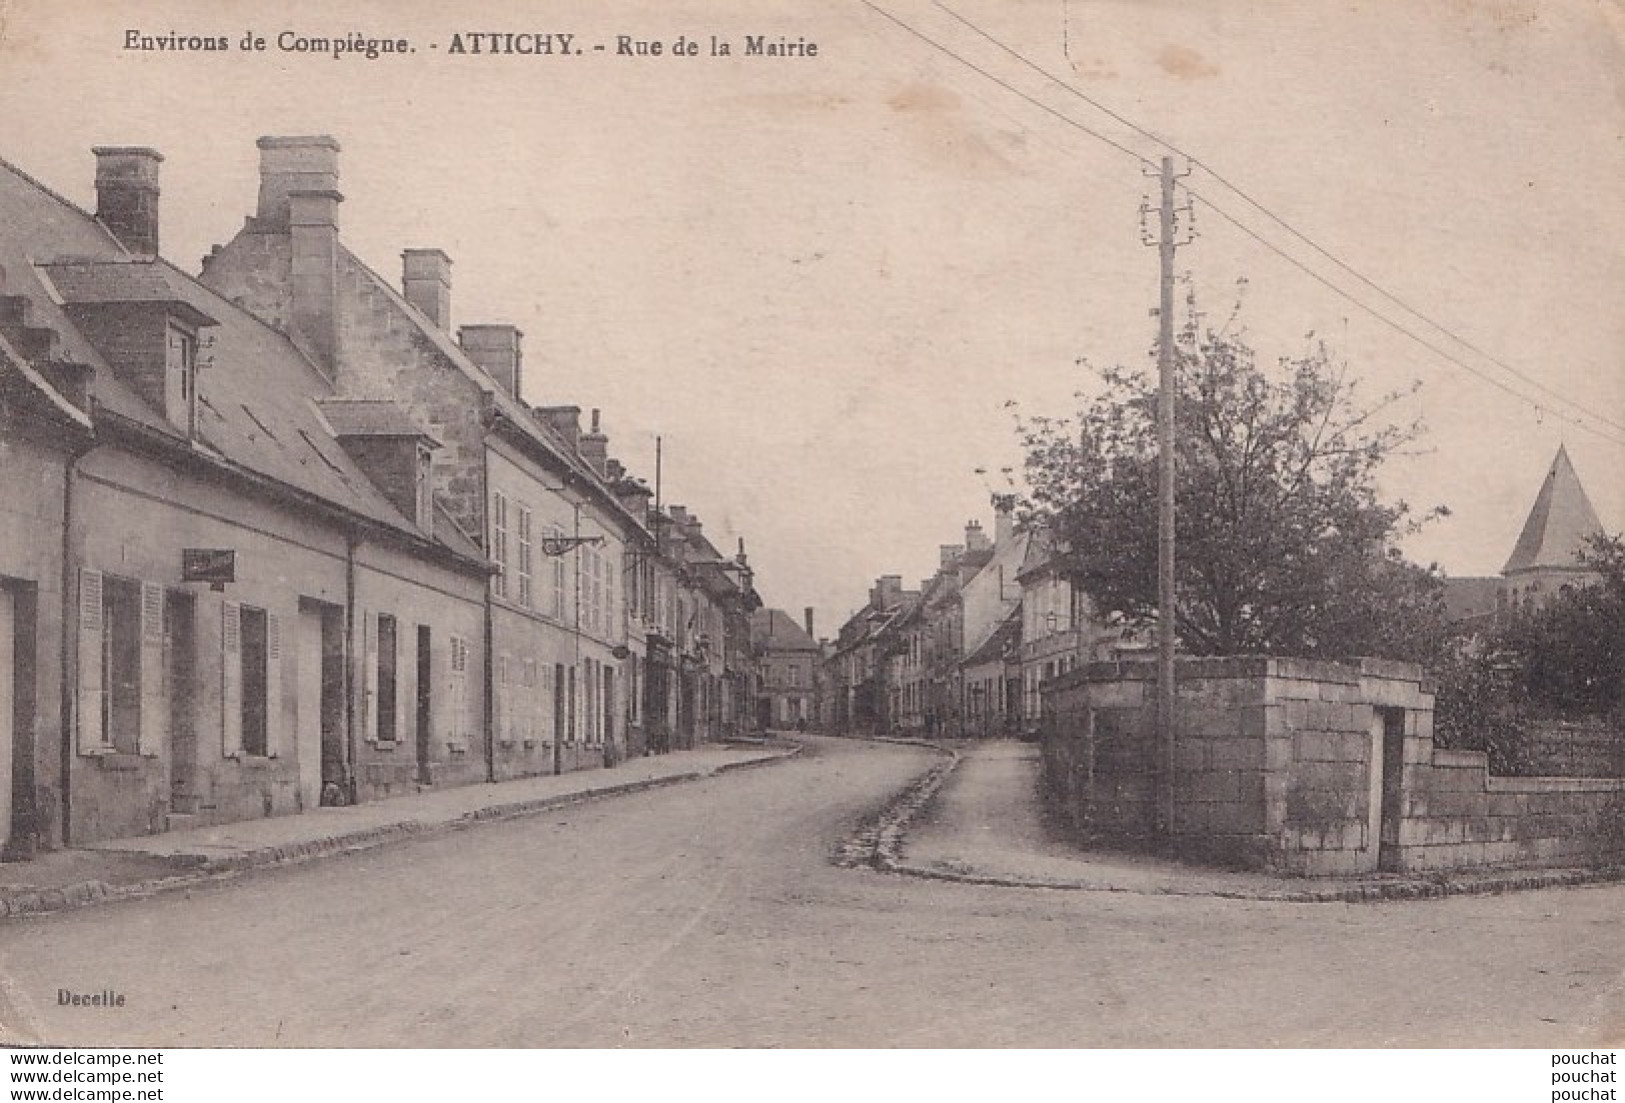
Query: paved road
[(708, 914)]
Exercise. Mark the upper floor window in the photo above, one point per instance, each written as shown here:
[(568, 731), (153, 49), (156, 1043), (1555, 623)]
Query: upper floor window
[(499, 542)]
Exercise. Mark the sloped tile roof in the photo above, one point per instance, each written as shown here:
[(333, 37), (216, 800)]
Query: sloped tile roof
[(122, 280), (512, 409), (776, 630), (1466, 598), (994, 647), (369, 417), (256, 390)]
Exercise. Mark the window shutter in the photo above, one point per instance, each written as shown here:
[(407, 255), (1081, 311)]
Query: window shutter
[(231, 679), (273, 684), (369, 676), (92, 632), (153, 691), (457, 693)]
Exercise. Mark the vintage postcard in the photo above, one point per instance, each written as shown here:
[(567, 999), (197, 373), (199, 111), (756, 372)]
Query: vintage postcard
[(444, 445)]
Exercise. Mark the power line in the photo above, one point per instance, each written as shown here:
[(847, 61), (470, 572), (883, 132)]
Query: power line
[(1008, 86), (1317, 247), (1573, 419)]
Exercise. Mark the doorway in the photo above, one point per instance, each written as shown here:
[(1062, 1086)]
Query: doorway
[(20, 825), (1387, 784), (180, 684), (323, 777), (425, 704)]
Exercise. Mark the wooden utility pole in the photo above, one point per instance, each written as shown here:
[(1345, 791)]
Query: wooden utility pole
[(1167, 388)]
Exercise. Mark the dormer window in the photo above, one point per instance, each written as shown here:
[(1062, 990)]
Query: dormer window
[(180, 378), (425, 490), (136, 313)]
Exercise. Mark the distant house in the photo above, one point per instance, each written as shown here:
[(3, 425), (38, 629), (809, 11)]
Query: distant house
[(787, 660)]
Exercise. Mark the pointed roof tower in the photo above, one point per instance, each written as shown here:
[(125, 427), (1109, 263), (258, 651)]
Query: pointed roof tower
[(1558, 524)]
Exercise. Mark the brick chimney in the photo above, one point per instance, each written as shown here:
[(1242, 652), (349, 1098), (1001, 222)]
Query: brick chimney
[(313, 230), (498, 352), (563, 420), (594, 447), (807, 618), (975, 539), (1004, 518), (947, 553), (127, 195), (887, 591), (308, 163), (426, 283)]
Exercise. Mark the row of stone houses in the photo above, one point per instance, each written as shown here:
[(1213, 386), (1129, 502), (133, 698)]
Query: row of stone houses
[(963, 655), (276, 536), (969, 652)]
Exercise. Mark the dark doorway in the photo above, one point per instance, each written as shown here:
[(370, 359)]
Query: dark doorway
[(1393, 765), (180, 671), (336, 785), (20, 828), (425, 704)]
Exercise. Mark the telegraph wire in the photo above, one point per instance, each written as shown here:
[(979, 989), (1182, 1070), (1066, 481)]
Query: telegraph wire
[(1197, 162), (1001, 82), (1575, 419)]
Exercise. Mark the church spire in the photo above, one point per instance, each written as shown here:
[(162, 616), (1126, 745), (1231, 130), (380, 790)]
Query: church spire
[(1559, 522)]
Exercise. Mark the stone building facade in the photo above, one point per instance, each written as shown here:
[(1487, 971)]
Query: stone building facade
[(787, 662), (277, 538), (219, 549)]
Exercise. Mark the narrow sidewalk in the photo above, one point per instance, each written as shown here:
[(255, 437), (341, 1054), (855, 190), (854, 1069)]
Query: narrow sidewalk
[(986, 825), (152, 863)]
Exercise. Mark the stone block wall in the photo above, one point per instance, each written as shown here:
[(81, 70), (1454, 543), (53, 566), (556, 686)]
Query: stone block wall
[(1591, 747), (1278, 764)]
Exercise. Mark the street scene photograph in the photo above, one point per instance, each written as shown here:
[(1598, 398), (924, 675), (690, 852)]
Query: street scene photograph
[(840, 525)]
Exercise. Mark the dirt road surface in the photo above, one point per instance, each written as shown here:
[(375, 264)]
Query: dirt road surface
[(709, 915)]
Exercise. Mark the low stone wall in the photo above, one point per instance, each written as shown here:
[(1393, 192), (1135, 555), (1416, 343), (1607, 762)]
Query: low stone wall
[(1278, 764), (1575, 748), (1457, 814)]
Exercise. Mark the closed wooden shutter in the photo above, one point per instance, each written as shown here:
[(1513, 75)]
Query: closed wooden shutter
[(369, 676), (456, 705), (273, 684), (154, 695), (231, 679), (92, 727)]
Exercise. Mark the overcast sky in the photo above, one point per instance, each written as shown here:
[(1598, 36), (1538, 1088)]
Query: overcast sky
[(821, 279)]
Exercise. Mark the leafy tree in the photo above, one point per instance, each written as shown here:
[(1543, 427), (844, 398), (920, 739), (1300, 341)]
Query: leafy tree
[(1283, 544), (1569, 654)]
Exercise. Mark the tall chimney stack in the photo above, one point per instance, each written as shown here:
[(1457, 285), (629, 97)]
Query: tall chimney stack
[(426, 284), (594, 446), (498, 351), (299, 193), (975, 539), (127, 195), (563, 420), (807, 616), (313, 229), (1004, 518), (301, 163)]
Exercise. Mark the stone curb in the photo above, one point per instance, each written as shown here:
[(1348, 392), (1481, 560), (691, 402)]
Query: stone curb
[(200, 869), (879, 845)]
